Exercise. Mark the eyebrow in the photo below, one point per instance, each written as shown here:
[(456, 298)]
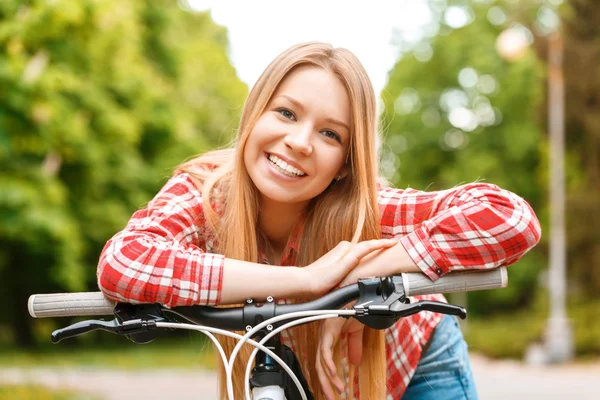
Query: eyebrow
[(328, 119)]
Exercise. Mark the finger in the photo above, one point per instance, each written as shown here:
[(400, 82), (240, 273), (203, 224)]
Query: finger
[(360, 250), (355, 345), (323, 377), (330, 334), (327, 354), (333, 378), (337, 252), (363, 248)]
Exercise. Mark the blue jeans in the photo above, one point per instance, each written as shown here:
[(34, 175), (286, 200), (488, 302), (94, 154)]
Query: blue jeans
[(444, 371)]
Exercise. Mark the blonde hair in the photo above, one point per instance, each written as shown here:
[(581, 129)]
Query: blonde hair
[(345, 211)]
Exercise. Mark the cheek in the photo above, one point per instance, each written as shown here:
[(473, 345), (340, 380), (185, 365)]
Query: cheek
[(252, 143), (250, 150), (258, 136), (247, 158), (331, 166)]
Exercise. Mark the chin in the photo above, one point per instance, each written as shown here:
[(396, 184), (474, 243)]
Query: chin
[(284, 198)]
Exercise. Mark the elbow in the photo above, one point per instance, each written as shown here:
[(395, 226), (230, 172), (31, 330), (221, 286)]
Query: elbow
[(108, 276), (512, 214), (126, 271), (107, 287), (527, 234), (534, 228)]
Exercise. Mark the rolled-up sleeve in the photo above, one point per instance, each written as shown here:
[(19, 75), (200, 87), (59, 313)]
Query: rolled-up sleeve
[(474, 226), (158, 257)]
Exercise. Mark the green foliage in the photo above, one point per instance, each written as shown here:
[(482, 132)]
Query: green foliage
[(582, 85), (509, 335), (34, 392), (433, 142), (99, 100), (185, 352)]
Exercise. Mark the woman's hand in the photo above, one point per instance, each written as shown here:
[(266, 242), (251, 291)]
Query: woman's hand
[(330, 332), (392, 260), (330, 269), (384, 261)]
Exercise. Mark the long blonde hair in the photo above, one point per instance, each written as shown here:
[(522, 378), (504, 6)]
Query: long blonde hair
[(347, 210)]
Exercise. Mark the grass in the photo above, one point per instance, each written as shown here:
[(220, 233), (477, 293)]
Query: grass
[(509, 336), (33, 392), (504, 336), (126, 355)]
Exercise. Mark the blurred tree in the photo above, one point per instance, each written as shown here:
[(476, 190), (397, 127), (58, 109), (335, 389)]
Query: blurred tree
[(581, 63), (582, 85), (98, 102), (456, 112)]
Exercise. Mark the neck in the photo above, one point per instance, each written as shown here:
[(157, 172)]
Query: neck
[(277, 220)]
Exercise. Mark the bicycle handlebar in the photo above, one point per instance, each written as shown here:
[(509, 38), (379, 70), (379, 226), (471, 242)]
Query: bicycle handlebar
[(380, 303), (411, 284), (416, 283)]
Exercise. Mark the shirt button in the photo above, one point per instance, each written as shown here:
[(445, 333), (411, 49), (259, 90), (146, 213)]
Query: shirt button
[(438, 271)]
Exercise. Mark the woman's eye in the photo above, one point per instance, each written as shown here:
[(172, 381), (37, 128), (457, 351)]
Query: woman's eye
[(332, 135), (286, 113)]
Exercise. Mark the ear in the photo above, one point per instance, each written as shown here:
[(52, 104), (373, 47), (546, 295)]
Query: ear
[(343, 172)]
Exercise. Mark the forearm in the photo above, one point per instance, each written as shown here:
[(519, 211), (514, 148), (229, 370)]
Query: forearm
[(243, 280), (477, 226)]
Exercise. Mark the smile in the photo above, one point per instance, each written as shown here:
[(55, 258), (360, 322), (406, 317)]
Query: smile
[(284, 167)]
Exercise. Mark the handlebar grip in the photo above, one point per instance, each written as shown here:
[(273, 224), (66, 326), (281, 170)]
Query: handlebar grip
[(69, 305), (417, 283)]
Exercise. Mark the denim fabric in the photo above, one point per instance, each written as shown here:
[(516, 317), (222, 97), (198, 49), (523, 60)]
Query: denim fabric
[(444, 371)]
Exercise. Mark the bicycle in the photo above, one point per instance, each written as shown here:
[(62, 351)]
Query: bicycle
[(277, 375)]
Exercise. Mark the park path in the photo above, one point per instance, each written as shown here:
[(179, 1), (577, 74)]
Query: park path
[(496, 380)]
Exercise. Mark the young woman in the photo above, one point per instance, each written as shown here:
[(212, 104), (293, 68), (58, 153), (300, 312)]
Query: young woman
[(294, 209)]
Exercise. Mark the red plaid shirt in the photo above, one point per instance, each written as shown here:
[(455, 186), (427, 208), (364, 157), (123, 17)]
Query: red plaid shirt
[(164, 254)]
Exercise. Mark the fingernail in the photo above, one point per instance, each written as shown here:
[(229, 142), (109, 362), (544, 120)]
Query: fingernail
[(338, 390), (330, 372)]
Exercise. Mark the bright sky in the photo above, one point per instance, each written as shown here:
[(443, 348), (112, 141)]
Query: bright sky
[(261, 29)]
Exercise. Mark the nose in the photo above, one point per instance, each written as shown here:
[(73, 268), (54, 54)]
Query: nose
[(299, 139)]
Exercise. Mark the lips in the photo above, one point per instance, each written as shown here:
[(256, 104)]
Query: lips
[(286, 165)]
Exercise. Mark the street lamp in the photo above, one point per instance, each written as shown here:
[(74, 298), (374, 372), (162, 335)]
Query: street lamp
[(559, 338), (558, 342)]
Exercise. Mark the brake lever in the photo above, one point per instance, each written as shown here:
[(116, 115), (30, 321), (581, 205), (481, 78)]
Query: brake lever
[(382, 302), (380, 316), (119, 328), (403, 310)]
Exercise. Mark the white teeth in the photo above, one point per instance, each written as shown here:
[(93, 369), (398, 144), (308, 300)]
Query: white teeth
[(285, 167)]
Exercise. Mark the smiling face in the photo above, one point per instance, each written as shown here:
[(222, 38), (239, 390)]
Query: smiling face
[(299, 143)]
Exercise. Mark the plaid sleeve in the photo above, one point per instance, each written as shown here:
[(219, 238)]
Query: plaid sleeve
[(475, 226), (156, 258)]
